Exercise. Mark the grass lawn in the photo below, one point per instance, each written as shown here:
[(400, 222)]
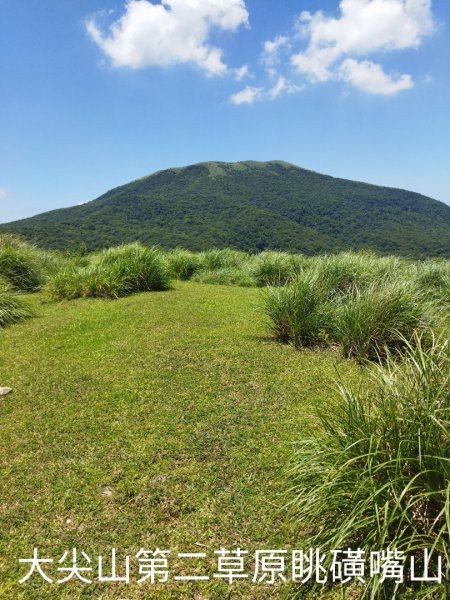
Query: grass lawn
[(159, 420)]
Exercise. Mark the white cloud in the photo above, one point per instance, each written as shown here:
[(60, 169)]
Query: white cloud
[(363, 27), (247, 96), (169, 32), (277, 84), (250, 94), (336, 46), (370, 77), (173, 32), (3, 194), (282, 86), (272, 48), (241, 73)]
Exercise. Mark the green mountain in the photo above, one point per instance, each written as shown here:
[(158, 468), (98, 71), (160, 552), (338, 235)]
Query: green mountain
[(250, 206)]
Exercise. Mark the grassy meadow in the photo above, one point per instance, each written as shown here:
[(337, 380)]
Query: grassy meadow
[(194, 401)]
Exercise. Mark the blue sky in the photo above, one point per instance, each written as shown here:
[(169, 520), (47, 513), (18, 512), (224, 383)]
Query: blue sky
[(95, 93)]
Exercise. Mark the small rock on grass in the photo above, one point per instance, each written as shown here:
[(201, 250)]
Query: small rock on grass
[(4, 391)]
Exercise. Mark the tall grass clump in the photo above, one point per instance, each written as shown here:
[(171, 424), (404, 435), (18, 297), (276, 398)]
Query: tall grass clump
[(218, 258), (54, 261), (339, 273), (225, 276), (379, 316), (12, 306), (299, 312), (182, 264), (433, 278), (376, 475), (273, 268), (391, 267), (70, 281), (113, 273), (20, 264)]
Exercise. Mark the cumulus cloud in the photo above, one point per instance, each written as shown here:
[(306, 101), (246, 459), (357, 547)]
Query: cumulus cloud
[(322, 47), (3, 194), (340, 47), (173, 32), (370, 77), (363, 27)]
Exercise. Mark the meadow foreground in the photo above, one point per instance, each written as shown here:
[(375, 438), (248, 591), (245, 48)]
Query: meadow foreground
[(158, 420)]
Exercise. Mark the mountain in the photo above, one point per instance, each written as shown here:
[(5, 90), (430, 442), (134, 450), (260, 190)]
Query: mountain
[(250, 206)]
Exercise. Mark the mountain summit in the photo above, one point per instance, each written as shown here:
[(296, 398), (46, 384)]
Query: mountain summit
[(251, 206)]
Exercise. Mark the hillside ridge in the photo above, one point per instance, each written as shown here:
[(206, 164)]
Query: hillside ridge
[(249, 205)]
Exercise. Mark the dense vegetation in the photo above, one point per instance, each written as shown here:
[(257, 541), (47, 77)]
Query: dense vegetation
[(195, 403), (20, 264), (364, 304), (112, 273), (249, 206), (377, 474), (12, 307)]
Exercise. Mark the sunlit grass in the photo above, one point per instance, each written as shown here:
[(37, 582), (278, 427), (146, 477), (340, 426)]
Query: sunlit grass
[(113, 273), (157, 420), (377, 474)]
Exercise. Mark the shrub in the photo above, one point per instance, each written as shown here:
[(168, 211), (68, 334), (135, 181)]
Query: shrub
[(379, 316), (12, 307), (225, 276), (377, 474), (20, 264), (182, 264), (300, 313), (113, 273)]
